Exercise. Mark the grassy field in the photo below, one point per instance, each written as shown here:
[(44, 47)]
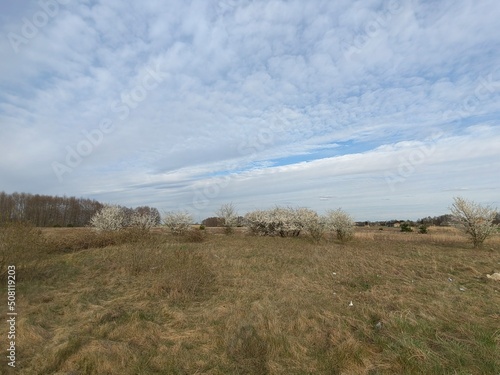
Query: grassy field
[(385, 303)]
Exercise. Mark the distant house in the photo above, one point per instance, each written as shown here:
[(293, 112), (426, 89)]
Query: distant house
[(393, 224)]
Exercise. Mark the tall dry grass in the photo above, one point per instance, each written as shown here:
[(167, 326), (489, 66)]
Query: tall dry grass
[(24, 246), (253, 305)]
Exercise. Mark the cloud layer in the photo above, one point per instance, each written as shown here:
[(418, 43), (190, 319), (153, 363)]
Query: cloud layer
[(387, 109)]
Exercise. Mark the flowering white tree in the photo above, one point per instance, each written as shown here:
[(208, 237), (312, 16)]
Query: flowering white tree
[(283, 221), (109, 218), (257, 222), (474, 220), (145, 220), (276, 222), (314, 224), (341, 223), (228, 214), (177, 221)]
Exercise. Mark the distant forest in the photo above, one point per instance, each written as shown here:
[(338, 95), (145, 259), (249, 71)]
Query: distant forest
[(53, 211)]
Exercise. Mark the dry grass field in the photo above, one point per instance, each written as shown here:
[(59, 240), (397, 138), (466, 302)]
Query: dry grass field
[(385, 303)]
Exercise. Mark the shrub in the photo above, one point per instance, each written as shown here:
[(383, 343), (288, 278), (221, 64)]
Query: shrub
[(406, 227), (109, 218), (474, 220), (177, 221), (202, 227), (280, 221), (341, 223), (314, 224), (286, 222), (423, 229), (258, 222), (144, 221)]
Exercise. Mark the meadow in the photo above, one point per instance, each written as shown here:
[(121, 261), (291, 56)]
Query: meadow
[(207, 303)]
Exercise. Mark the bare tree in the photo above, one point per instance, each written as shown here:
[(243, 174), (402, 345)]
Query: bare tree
[(45, 210), (228, 214), (474, 220)]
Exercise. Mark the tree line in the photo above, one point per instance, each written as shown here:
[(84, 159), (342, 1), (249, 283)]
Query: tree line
[(55, 211), (448, 219)]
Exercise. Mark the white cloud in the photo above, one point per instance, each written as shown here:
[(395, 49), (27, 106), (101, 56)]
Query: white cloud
[(247, 86)]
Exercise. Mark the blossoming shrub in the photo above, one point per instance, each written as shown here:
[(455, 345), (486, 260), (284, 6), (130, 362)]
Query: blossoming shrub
[(341, 223), (109, 218), (284, 222), (177, 221)]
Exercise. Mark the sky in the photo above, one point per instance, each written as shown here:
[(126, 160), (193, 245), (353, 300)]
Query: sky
[(387, 109)]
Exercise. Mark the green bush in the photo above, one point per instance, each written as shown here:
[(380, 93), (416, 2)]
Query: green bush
[(406, 227), (422, 229)]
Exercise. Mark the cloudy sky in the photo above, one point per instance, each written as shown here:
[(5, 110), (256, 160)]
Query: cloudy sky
[(387, 109)]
